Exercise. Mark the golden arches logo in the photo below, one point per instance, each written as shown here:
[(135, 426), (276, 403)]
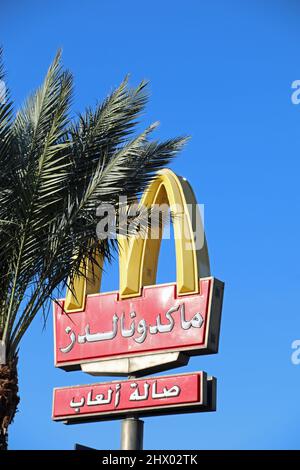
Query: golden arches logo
[(138, 256)]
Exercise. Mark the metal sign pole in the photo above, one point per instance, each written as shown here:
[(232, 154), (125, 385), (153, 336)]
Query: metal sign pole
[(132, 432)]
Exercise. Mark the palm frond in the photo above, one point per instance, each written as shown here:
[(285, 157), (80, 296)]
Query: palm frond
[(56, 172)]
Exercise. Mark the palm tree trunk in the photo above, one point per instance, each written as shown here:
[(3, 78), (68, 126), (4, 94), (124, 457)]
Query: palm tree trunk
[(9, 398)]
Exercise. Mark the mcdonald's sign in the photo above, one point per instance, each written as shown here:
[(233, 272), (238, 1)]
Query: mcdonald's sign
[(144, 326)]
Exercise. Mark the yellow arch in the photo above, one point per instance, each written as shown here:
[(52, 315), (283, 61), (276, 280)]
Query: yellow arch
[(88, 283), (138, 256)]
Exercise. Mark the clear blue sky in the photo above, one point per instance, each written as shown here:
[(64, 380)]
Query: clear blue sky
[(222, 72)]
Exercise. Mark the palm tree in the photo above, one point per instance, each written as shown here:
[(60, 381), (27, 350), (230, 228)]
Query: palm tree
[(54, 174)]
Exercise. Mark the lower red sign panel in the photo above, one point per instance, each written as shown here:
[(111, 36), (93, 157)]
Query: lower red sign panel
[(152, 396)]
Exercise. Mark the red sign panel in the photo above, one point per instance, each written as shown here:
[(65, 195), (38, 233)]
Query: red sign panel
[(157, 321), (155, 395)]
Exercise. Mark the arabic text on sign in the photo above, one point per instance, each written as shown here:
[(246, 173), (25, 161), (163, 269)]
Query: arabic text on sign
[(141, 328), (113, 396)]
